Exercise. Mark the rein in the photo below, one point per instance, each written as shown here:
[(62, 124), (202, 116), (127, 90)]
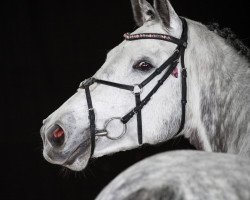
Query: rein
[(136, 89)]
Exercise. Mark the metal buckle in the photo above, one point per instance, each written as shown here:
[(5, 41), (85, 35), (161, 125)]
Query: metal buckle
[(86, 82), (185, 44), (184, 73), (105, 132), (176, 51), (137, 89), (135, 112)]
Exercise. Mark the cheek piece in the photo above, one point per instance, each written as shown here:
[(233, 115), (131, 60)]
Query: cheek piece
[(169, 66)]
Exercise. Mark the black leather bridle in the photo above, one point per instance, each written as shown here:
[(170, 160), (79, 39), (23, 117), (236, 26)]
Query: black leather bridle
[(171, 63)]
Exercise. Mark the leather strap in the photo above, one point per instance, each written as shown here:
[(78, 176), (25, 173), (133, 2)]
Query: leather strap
[(159, 70), (129, 115), (184, 78), (139, 118), (154, 36), (91, 118), (113, 84)]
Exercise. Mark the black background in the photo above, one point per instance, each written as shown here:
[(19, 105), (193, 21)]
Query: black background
[(46, 49)]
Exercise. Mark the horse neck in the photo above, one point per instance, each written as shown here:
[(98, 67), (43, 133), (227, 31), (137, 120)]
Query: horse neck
[(218, 94)]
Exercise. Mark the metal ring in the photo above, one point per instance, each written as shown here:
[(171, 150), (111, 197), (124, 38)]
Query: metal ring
[(100, 133), (137, 89), (86, 82), (123, 131)]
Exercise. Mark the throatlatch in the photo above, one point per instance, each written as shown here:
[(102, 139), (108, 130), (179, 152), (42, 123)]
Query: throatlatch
[(171, 63)]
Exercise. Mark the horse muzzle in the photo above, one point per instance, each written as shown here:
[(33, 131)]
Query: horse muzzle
[(61, 148)]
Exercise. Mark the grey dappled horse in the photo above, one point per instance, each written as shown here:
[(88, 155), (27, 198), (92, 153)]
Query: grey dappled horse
[(102, 117), (183, 175), (218, 94)]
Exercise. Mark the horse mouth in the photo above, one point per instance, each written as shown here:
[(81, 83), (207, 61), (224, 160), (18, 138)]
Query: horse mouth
[(77, 153)]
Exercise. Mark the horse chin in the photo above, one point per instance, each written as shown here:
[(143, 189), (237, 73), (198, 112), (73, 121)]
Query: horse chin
[(78, 165), (78, 160)]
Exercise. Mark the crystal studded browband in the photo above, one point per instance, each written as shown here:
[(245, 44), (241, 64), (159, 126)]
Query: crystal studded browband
[(156, 36)]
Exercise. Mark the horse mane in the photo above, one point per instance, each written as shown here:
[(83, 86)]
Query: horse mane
[(231, 38)]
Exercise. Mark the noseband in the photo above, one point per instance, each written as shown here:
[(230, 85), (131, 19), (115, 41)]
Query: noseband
[(136, 89)]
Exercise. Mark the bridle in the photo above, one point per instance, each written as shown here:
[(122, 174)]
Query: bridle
[(136, 89)]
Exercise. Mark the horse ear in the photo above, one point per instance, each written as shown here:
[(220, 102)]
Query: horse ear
[(167, 14), (142, 11)]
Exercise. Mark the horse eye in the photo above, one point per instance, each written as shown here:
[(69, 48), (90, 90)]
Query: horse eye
[(143, 66)]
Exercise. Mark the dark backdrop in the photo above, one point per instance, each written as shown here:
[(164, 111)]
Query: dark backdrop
[(46, 49)]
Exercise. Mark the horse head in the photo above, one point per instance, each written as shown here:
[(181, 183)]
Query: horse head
[(133, 99), (66, 132)]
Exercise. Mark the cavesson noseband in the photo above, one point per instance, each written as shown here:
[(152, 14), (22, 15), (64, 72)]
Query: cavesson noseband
[(136, 89)]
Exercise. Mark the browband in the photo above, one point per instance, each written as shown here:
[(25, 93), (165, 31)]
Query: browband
[(155, 36)]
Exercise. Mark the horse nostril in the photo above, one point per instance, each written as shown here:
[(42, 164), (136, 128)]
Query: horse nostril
[(57, 137)]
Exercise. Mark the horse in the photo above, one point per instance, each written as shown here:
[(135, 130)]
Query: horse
[(172, 76), (183, 175)]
